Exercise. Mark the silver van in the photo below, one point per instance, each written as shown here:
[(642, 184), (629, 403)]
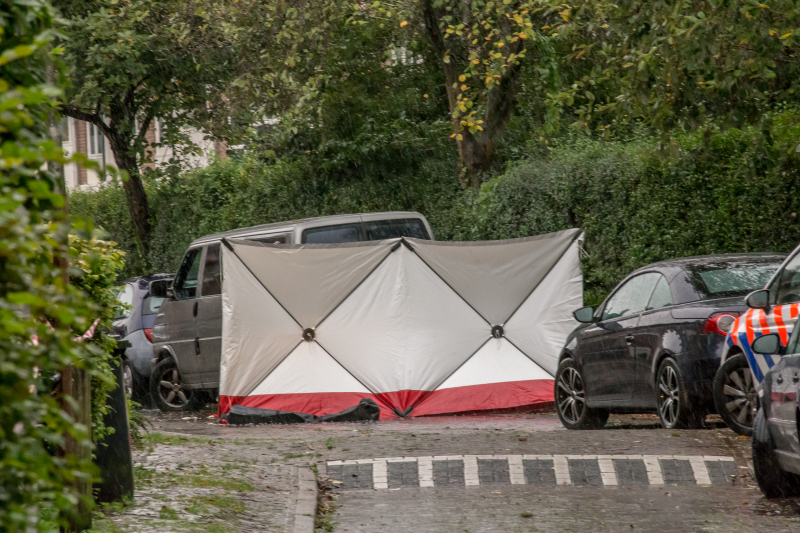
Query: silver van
[(187, 333)]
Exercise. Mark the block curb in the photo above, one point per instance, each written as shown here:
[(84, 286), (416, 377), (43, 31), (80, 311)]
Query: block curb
[(305, 503)]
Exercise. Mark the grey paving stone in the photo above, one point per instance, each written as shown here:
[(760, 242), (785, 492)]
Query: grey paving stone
[(585, 472), (630, 472), (403, 474), (677, 471), (539, 472), (448, 473), (493, 471), (353, 477), (722, 472)]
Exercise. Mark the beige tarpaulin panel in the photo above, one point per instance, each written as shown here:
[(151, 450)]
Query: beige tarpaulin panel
[(495, 276), (257, 333), (411, 324), (541, 324), (402, 329), (311, 280)]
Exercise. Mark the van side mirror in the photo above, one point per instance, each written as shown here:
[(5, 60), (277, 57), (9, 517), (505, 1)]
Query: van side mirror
[(160, 289), (768, 344), (758, 299), (584, 315)]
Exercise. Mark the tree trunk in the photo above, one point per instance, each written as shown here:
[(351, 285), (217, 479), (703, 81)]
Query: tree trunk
[(125, 158), (475, 151), (75, 383), (136, 197)]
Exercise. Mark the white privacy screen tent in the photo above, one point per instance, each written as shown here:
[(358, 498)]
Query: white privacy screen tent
[(420, 327)]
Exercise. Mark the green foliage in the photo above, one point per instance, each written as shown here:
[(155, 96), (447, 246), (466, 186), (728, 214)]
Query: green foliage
[(726, 192), (678, 64), (34, 480), (95, 266)]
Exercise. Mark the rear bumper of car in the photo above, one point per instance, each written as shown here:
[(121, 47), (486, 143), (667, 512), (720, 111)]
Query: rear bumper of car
[(140, 354), (701, 367)]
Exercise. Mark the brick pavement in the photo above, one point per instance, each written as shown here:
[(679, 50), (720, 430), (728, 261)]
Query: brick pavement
[(499, 473)]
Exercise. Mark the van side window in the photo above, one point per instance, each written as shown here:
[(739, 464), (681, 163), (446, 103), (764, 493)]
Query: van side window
[(212, 282), (331, 234), (378, 230), (272, 239), (186, 281)]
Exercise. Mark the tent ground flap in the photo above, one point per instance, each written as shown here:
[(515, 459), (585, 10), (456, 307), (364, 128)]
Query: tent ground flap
[(487, 396)]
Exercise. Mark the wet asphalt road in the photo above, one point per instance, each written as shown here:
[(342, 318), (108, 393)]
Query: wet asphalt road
[(498, 474)]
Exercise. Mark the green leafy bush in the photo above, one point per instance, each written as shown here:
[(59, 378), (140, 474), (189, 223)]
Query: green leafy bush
[(34, 479), (727, 191)]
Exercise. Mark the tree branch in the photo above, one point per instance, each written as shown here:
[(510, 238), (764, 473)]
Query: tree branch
[(92, 118)]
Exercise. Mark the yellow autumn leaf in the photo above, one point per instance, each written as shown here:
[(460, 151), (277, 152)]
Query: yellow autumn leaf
[(545, 27), (476, 61), (763, 6), (523, 36), (462, 78), (500, 45), (787, 35), (464, 87), (459, 137), (773, 32), (404, 23), (424, 95), (453, 135)]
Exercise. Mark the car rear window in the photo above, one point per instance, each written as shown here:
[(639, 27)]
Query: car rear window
[(378, 230), (735, 279), (150, 306)]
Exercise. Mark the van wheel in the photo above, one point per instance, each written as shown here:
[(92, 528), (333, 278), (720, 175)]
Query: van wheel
[(570, 395), (167, 390), (735, 395)]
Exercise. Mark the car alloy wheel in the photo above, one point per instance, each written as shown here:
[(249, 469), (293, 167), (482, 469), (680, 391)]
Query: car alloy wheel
[(669, 393), (741, 391), (170, 389), (127, 379), (735, 394), (571, 401)]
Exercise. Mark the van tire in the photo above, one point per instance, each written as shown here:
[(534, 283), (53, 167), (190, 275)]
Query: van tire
[(167, 391)]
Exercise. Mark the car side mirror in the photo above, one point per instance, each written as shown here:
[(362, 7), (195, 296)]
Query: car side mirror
[(584, 315), (758, 299), (160, 289), (768, 344)]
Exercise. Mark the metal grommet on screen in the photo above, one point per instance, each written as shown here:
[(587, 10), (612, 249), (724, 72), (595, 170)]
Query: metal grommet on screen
[(497, 331), (308, 334)]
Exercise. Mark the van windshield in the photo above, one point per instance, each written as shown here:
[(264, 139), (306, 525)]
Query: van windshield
[(378, 230)]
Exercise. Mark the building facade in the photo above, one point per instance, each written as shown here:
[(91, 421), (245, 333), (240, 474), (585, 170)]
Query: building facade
[(86, 138)]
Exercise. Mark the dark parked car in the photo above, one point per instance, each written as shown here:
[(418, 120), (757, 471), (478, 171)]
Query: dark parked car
[(655, 343), (134, 328), (776, 443)]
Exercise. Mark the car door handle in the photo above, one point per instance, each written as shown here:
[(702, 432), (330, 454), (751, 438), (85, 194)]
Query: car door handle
[(195, 309), (629, 338)]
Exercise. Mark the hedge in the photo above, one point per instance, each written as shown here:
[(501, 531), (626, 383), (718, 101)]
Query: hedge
[(725, 191)]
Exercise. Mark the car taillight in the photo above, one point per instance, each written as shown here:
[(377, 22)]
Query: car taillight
[(148, 332), (720, 322)]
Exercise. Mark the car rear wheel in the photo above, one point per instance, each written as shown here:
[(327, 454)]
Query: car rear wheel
[(675, 410), (127, 378), (773, 481), (168, 391), (735, 395), (570, 395)]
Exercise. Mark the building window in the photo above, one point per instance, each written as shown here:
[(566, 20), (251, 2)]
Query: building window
[(96, 140), (64, 125)]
